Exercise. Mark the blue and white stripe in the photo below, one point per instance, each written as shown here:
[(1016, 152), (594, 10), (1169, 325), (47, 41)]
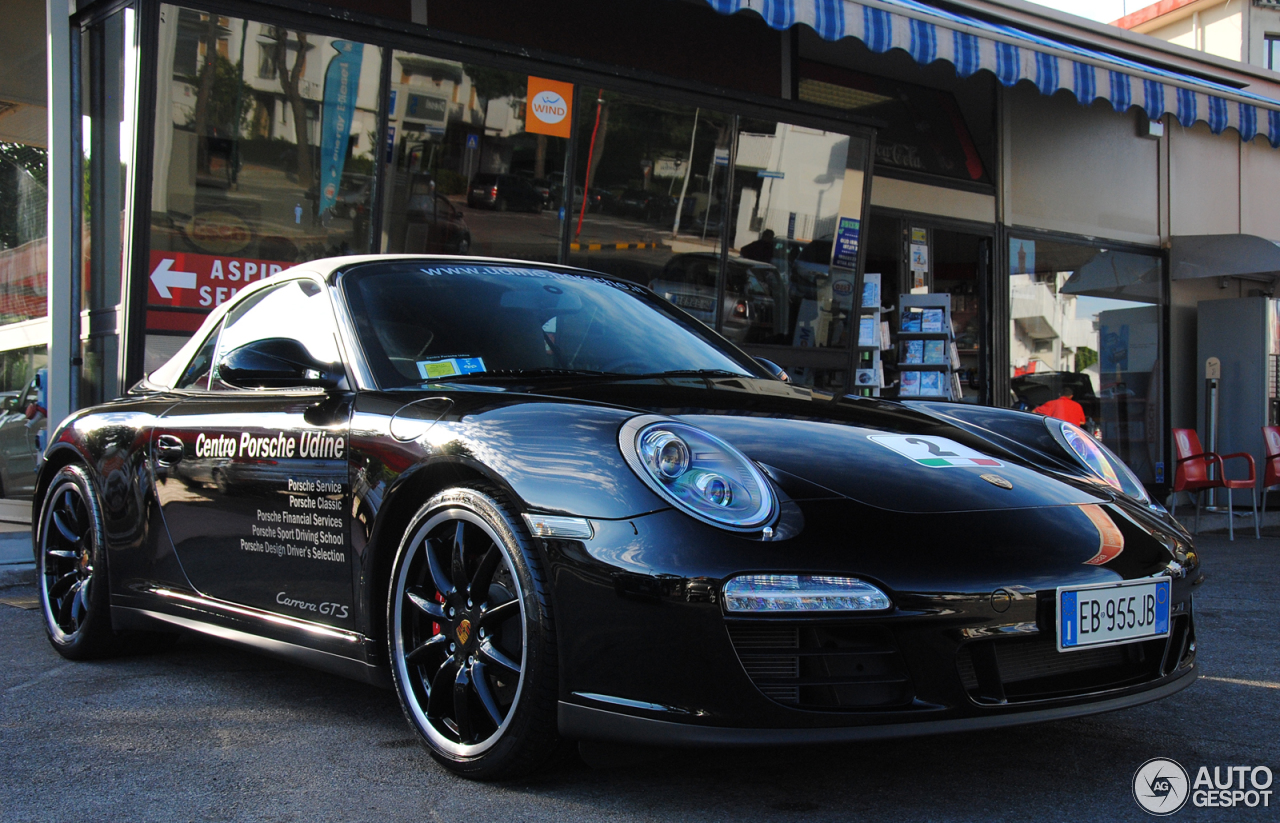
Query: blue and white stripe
[(971, 45)]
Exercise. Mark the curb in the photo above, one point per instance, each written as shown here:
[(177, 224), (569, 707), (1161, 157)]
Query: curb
[(21, 574)]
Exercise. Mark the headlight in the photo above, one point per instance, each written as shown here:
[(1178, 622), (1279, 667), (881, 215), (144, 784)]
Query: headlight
[(1098, 459), (802, 593), (698, 472)]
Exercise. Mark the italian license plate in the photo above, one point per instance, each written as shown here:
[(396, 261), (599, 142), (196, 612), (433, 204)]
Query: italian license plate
[(690, 301), (1112, 613)]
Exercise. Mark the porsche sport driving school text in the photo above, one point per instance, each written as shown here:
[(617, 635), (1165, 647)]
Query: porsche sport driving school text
[(305, 534)]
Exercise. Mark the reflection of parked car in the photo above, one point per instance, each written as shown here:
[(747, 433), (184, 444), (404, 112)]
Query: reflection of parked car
[(432, 224), (633, 203), (245, 475), (1036, 389), (751, 290), (18, 449), (543, 188), (353, 195), (502, 192)]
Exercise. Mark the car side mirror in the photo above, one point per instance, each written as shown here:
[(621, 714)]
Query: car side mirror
[(276, 363), (774, 369)]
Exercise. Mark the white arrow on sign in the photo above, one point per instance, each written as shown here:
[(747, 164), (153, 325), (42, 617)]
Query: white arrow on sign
[(165, 278)]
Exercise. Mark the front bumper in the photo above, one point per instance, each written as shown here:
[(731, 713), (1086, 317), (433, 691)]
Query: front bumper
[(649, 655), (581, 722)]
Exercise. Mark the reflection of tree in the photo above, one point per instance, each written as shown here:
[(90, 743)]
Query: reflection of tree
[(23, 217), (494, 84), (209, 39), (1085, 357), (221, 85), (290, 84)]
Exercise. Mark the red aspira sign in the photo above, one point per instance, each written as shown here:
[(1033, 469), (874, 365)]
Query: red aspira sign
[(202, 281)]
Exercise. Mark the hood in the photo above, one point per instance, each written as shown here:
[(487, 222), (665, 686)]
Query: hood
[(879, 453), (911, 473)]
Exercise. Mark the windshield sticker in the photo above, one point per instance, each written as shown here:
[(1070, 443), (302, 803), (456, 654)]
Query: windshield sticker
[(450, 367), (512, 271), (934, 452)]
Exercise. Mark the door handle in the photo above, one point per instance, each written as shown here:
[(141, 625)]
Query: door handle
[(168, 449)]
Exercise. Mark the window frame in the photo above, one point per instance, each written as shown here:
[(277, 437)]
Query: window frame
[(220, 325)]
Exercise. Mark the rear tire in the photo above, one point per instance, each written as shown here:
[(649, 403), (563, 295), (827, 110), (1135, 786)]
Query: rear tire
[(471, 638)]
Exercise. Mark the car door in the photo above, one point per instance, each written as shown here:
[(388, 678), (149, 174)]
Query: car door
[(18, 443), (253, 482)]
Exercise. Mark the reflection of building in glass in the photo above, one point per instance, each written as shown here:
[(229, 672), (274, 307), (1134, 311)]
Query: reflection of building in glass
[(801, 175), (243, 95), (1047, 334)]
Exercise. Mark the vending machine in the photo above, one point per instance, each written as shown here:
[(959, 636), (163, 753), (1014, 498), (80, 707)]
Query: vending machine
[(1243, 335)]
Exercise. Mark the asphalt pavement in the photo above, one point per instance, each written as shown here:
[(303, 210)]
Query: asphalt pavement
[(206, 732)]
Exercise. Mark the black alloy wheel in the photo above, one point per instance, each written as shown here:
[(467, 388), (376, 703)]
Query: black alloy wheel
[(71, 567), (470, 637)]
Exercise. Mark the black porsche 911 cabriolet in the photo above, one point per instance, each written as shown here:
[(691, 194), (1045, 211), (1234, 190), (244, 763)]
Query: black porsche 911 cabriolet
[(546, 505)]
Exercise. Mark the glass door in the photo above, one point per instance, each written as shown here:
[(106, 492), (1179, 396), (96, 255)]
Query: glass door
[(794, 233)]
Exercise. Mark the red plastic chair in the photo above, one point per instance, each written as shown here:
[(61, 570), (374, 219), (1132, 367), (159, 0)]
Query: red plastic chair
[(1192, 476), (1271, 471)]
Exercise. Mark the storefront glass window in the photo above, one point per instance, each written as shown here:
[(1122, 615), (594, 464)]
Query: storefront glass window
[(1089, 319), (661, 189), (649, 182), (264, 157), (476, 160), (797, 203), (23, 263)]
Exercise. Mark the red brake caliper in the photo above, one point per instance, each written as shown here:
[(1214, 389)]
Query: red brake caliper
[(435, 627)]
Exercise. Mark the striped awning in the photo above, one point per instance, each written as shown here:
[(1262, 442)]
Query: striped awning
[(1012, 55)]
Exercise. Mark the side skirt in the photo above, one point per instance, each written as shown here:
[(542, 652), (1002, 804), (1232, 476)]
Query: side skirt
[(353, 664)]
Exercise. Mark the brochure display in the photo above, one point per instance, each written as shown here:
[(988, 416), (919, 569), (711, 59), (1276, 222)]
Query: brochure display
[(872, 337), (927, 356)]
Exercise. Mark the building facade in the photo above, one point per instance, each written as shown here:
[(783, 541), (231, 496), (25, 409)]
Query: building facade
[(1244, 30), (804, 176)]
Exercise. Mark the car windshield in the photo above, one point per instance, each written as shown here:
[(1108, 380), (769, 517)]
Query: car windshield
[(475, 322)]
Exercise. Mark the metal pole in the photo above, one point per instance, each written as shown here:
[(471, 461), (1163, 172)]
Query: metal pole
[(1211, 430), (688, 169), (591, 151), (63, 313)]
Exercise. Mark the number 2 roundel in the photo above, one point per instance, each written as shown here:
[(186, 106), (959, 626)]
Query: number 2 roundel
[(934, 452)]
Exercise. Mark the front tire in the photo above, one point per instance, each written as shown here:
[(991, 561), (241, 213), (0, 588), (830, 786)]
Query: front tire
[(72, 570), (471, 638)]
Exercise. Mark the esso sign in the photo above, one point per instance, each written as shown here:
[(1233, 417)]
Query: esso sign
[(549, 107)]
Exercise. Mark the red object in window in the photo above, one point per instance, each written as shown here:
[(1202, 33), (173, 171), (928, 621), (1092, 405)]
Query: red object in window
[(1271, 470), (1064, 408)]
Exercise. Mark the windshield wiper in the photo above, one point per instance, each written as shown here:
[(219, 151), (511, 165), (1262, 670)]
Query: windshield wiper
[(691, 373)]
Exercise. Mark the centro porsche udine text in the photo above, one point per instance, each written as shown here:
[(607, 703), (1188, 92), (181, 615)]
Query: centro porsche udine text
[(545, 505)]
